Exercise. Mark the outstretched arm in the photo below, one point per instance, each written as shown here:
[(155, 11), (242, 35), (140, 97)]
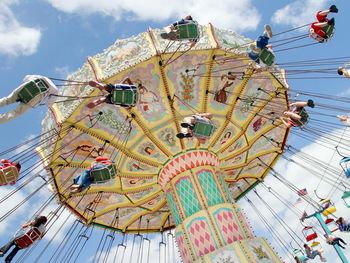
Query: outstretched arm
[(206, 115), (98, 85), (344, 119), (127, 81)]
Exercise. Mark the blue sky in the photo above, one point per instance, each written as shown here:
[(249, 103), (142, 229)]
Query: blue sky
[(54, 37)]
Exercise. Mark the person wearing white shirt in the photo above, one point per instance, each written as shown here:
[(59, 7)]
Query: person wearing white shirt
[(49, 88)]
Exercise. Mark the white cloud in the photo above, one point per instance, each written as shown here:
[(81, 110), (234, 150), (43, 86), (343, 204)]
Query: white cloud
[(16, 39), (236, 15), (63, 72), (299, 12)]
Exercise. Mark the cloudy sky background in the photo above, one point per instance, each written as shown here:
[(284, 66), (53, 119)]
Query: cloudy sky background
[(54, 37)]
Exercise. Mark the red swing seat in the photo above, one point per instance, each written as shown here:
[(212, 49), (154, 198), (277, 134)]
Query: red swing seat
[(28, 238)]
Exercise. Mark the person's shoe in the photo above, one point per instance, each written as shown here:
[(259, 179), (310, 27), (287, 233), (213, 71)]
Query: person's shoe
[(187, 125), (180, 135), (1, 254), (172, 35), (311, 103), (340, 71), (333, 9), (331, 21), (164, 35), (268, 31)]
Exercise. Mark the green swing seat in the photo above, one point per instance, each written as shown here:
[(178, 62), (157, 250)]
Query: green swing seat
[(203, 129), (32, 89), (329, 30), (267, 57), (304, 117), (300, 255), (187, 31), (125, 96), (101, 175), (346, 198)]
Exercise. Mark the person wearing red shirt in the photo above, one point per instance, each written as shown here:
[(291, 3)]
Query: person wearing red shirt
[(8, 176), (316, 30), (6, 163)]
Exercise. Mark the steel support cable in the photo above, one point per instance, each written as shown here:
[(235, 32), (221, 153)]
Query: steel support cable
[(274, 234), (289, 184), (336, 184), (314, 171), (280, 220), (28, 252), (290, 41), (86, 236), (123, 246), (98, 247), (111, 235), (315, 160), (311, 138), (284, 201), (328, 180), (325, 136), (22, 144), (54, 235), (13, 209), (68, 234)]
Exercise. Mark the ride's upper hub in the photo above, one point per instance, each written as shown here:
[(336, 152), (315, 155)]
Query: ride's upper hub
[(214, 76)]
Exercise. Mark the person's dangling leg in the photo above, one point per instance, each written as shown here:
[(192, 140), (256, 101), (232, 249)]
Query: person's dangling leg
[(20, 109), (12, 254), (6, 247), (95, 103)]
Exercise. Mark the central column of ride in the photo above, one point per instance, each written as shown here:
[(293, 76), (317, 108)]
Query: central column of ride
[(207, 220)]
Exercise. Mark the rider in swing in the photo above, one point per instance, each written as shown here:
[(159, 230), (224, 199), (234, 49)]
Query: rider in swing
[(47, 87)]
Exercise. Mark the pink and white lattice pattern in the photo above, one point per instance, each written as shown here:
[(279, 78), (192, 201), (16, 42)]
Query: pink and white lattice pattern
[(183, 249), (185, 162), (201, 237), (228, 228)]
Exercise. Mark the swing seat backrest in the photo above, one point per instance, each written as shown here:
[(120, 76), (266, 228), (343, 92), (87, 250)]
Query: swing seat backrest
[(187, 31), (304, 117), (32, 89), (347, 172), (203, 128), (267, 57), (303, 258), (345, 167), (125, 95), (28, 238), (8, 175), (329, 30), (311, 237), (103, 174), (300, 255), (345, 197), (328, 211)]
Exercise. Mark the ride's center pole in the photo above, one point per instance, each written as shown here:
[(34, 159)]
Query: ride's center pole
[(209, 224), (328, 232)]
